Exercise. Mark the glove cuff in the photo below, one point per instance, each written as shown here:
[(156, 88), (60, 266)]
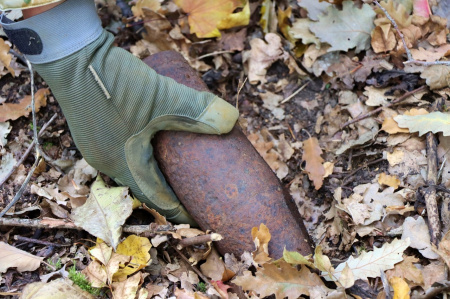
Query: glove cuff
[(56, 33)]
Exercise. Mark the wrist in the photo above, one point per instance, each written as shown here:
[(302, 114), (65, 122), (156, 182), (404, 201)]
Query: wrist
[(30, 12)]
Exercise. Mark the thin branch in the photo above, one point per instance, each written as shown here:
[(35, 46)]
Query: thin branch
[(379, 109), (28, 151), (295, 93), (200, 274), (410, 60), (36, 241), (199, 240), (213, 54)]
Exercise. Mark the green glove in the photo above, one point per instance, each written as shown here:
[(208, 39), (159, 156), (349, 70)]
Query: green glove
[(113, 102)]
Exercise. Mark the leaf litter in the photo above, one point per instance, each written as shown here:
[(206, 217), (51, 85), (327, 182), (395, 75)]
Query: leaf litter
[(359, 188)]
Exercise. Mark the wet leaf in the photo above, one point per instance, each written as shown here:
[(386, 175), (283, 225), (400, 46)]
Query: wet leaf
[(104, 212), (347, 28), (314, 162)]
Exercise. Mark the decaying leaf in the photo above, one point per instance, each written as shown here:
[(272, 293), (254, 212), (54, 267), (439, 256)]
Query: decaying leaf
[(10, 111), (104, 212), (314, 162), (56, 289), (370, 264), (11, 257), (347, 28), (283, 281), (432, 122)]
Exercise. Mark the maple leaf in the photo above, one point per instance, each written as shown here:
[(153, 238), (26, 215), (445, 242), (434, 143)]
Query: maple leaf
[(205, 15), (314, 166), (285, 281), (347, 28)]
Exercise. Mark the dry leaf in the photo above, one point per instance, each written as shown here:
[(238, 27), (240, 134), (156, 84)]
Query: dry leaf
[(283, 281), (433, 122), (56, 289), (370, 264), (416, 230), (407, 270), (347, 28), (6, 57), (104, 212), (159, 219), (295, 258), (136, 247), (127, 289), (388, 180), (11, 257), (261, 238), (11, 111), (314, 166), (215, 268)]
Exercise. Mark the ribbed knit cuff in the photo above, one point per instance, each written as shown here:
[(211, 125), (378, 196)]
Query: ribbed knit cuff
[(56, 33)]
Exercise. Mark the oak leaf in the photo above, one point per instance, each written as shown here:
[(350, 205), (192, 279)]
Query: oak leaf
[(432, 122), (104, 212), (205, 15), (127, 289), (5, 56), (314, 162), (347, 28), (11, 257), (370, 264), (407, 270), (10, 111), (283, 281), (437, 76)]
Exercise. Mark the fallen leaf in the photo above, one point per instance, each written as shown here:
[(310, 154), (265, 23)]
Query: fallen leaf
[(6, 57), (347, 28), (314, 8), (295, 258), (261, 237), (11, 257), (237, 19), (370, 264), (104, 212), (5, 128), (347, 279), (432, 122), (139, 250), (437, 76), (300, 30), (431, 54), (383, 40), (322, 262), (56, 289), (159, 219), (401, 288), (434, 272), (183, 294), (389, 180), (283, 281), (407, 270), (261, 56), (215, 268), (6, 165), (416, 230), (268, 21), (137, 9), (10, 111), (127, 289), (204, 16), (221, 288), (314, 162)]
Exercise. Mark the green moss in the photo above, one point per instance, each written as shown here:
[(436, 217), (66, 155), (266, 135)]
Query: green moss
[(80, 280), (201, 287)]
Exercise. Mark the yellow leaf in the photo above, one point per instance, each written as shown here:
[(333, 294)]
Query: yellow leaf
[(314, 166), (205, 15), (322, 262), (401, 288), (154, 5), (389, 180), (241, 18), (347, 279), (295, 258), (268, 17), (139, 250), (284, 23), (261, 239), (5, 57)]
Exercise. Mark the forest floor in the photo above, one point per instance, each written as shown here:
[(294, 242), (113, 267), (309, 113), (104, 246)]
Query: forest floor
[(359, 137)]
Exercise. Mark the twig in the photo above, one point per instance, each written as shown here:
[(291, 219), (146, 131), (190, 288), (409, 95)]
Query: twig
[(239, 91), (213, 54), (61, 224), (200, 274), (28, 151), (199, 240), (410, 60), (36, 141), (443, 286), (379, 109), (36, 241), (295, 93)]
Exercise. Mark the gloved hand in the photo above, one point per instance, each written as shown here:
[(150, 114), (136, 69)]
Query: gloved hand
[(113, 102)]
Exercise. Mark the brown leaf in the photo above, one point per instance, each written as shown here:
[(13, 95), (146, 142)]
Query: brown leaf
[(159, 219), (5, 57), (284, 281), (261, 239), (382, 42), (388, 180), (11, 257), (314, 166), (127, 289), (10, 111), (407, 270), (215, 268)]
